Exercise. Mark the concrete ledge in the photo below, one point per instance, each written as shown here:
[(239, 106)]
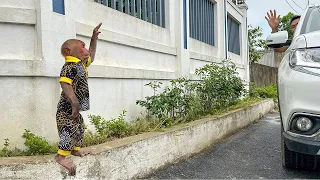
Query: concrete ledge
[(128, 73), (203, 57), (35, 68), (137, 156), (206, 58), (114, 37), (21, 67), (17, 15)]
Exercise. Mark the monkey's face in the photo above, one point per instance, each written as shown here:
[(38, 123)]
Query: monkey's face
[(80, 51)]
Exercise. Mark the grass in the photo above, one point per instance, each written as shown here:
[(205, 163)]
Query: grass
[(139, 126)]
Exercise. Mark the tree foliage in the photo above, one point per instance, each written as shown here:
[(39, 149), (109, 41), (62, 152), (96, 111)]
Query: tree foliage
[(255, 43), (285, 24)]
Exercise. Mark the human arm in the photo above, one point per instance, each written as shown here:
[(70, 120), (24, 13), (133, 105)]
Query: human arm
[(280, 50), (274, 21)]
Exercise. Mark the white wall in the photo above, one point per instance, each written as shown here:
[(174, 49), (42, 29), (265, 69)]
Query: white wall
[(202, 53), (268, 59), (130, 53)]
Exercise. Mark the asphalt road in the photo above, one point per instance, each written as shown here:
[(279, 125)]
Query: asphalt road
[(253, 153)]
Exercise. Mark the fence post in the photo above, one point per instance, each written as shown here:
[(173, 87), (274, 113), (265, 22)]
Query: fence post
[(120, 5), (127, 7), (144, 10), (139, 9)]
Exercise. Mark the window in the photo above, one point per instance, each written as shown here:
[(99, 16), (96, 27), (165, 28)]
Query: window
[(312, 22), (201, 20), (152, 11), (233, 36), (58, 6)]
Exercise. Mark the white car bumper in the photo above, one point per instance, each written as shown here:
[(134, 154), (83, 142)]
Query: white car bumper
[(299, 92)]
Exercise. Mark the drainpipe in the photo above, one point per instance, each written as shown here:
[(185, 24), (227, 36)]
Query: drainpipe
[(225, 28)]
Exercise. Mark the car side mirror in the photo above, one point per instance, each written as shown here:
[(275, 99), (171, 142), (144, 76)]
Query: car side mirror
[(278, 40)]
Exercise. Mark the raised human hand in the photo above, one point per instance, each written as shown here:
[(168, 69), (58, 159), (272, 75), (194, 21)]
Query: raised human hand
[(273, 20)]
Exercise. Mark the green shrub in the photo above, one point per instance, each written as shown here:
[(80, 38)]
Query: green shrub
[(253, 91), (6, 152), (116, 127), (263, 92), (173, 102), (141, 125), (220, 85), (37, 145), (185, 100), (90, 139), (268, 91)]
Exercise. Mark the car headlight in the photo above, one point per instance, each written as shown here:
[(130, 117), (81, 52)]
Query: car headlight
[(304, 124), (305, 58)]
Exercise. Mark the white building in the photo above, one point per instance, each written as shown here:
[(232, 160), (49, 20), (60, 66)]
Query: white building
[(186, 34)]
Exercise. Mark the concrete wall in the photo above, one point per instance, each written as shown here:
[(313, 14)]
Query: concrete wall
[(263, 75), (137, 156), (130, 53)]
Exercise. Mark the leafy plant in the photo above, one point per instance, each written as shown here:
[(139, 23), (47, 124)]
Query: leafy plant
[(141, 125), (253, 91), (90, 139), (173, 102), (116, 127), (220, 85), (285, 24), (37, 145), (268, 91), (255, 43), (263, 92), (185, 100), (6, 152), (5, 149)]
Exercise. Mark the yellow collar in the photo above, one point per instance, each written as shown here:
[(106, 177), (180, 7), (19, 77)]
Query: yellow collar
[(72, 59)]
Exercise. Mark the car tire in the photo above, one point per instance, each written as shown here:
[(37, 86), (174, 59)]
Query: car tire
[(295, 160), (289, 158)]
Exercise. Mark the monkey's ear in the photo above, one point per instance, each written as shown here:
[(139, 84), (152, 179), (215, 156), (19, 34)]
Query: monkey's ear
[(66, 51)]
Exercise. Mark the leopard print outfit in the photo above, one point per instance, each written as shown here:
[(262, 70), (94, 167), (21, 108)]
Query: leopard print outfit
[(74, 72)]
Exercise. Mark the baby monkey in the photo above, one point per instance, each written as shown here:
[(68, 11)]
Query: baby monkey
[(74, 98)]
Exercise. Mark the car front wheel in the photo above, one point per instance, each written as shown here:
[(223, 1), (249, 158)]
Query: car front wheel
[(295, 160)]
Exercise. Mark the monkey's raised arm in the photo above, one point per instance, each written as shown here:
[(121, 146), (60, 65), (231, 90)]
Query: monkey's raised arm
[(93, 42)]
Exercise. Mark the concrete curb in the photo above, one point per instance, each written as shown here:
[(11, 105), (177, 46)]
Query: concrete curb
[(140, 155)]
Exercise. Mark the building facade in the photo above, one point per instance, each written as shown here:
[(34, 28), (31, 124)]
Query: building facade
[(141, 41)]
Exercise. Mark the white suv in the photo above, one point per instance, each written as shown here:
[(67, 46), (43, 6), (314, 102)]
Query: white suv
[(299, 92)]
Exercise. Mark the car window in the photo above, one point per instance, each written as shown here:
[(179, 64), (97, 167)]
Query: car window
[(313, 20)]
